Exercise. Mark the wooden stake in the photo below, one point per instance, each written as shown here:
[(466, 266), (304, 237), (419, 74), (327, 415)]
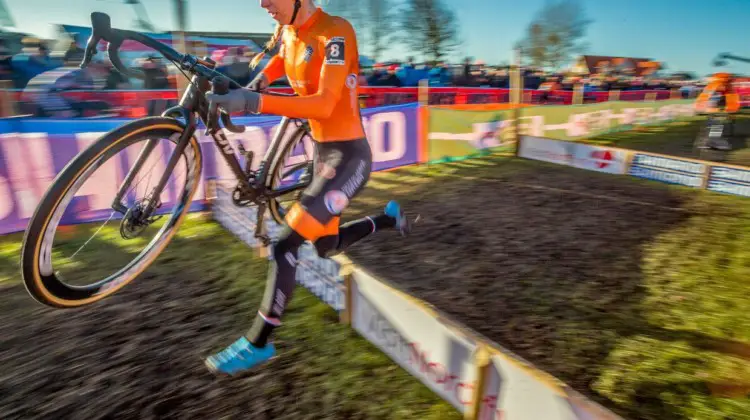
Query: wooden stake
[(482, 361)]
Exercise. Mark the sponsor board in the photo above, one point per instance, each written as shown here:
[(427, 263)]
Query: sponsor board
[(433, 350), (458, 133), (415, 339), (583, 156), (318, 275), (34, 151), (729, 180), (546, 150), (512, 392), (600, 159), (668, 170)]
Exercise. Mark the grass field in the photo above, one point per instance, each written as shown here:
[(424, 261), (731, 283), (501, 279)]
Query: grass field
[(325, 369), (677, 138)]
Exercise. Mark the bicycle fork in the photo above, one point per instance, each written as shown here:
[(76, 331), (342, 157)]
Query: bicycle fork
[(155, 194)]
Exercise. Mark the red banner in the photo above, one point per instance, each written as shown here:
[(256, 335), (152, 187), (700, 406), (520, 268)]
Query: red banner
[(138, 103)]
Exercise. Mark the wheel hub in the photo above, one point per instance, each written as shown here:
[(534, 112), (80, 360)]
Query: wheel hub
[(137, 219)]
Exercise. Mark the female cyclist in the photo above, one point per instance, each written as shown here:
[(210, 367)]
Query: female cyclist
[(318, 54)]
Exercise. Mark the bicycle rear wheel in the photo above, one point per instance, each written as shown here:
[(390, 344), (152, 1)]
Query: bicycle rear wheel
[(85, 190), (290, 172)]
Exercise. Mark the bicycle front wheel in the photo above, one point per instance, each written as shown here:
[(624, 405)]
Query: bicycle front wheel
[(120, 224)]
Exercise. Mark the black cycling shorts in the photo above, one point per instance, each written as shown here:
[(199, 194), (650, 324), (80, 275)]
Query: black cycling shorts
[(341, 170)]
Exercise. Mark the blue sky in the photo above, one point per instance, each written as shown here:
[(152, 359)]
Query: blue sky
[(686, 34)]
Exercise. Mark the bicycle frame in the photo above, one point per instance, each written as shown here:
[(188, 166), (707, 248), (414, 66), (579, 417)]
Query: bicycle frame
[(192, 105)]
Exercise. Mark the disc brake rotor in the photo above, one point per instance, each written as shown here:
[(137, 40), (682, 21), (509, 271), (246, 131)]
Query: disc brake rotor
[(136, 220)]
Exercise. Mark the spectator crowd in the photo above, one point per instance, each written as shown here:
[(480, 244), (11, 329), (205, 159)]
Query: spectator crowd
[(477, 74), (42, 75)]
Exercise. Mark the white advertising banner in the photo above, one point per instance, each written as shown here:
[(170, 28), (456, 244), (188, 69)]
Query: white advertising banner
[(415, 339), (514, 392), (546, 150), (578, 155), (600, 159)]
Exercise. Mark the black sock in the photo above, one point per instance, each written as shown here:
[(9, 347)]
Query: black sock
[(356, 230), (352, 232)]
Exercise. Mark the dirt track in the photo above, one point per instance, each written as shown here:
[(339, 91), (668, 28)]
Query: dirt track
[(531, 258), (135, 357), (554, 276), (139, 354)]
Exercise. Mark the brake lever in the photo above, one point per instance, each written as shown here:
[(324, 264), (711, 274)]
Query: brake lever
[(91, 46), (226, 119)]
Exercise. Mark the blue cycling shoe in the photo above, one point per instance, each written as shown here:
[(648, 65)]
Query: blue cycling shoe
[(240, 356), (394, 210)]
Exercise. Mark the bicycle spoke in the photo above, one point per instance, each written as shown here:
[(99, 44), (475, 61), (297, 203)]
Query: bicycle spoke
[(136, 184), (92, 236), (136, 230)]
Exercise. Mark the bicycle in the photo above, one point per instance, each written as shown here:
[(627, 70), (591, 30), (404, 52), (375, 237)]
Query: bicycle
[(265, 187)]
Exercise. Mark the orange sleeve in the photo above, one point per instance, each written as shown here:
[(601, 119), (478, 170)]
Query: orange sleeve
[(274, 69), (340, 57), (733, 102)]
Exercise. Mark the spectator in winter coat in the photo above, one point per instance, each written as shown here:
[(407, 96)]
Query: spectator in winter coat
[(386, 78), (439, 75)]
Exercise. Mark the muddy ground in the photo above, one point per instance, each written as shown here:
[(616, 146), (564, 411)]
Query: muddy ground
[(135, 357), (541, 259), (139, 354)]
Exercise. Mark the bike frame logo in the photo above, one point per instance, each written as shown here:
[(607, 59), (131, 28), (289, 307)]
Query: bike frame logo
[(224, 142)]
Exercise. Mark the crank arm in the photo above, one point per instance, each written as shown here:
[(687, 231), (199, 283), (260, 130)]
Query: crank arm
[(260, 226)]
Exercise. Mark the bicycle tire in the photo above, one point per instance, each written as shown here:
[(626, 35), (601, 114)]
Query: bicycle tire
[(41, 282), (278, 212)]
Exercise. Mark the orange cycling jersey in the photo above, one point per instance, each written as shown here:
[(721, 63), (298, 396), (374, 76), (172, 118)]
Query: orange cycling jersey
[(321, 61), (721, 85)]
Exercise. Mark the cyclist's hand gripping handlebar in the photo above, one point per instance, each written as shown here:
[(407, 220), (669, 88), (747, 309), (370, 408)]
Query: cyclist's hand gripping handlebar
[(220, 86)]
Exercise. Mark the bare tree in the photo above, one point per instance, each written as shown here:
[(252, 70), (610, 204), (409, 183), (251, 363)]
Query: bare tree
[(374, 20), (430, 28), (555, 34), (381, 27)]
